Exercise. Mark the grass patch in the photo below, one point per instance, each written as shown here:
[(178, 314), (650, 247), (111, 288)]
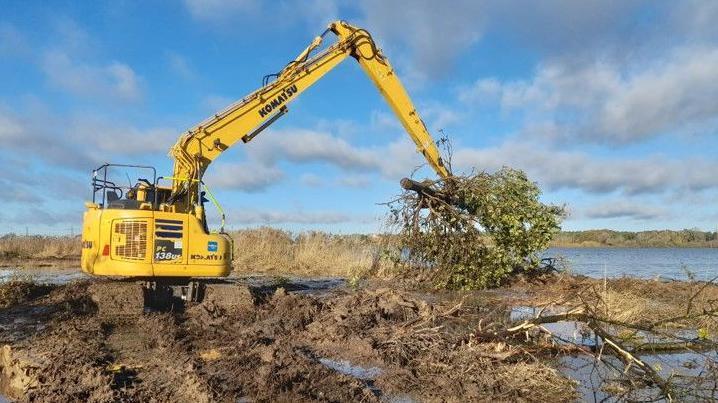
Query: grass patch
[(269, 250)]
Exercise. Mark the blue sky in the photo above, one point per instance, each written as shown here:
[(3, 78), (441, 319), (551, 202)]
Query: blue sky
[(611, 106)]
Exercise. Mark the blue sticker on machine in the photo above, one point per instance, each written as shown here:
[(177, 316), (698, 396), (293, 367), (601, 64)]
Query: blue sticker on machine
[(212, 246)]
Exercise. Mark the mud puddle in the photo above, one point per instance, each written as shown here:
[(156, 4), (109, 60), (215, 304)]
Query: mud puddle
[(367, 375), (356, 371)]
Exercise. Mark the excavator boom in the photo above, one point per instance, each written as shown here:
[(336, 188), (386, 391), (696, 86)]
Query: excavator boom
[(201, 145)]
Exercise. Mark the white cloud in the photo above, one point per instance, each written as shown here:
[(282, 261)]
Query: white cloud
[(83, 141), (625, 209), (42, 216), (566, 28), (399, 158), (119, 138), (696, 18), (600, 102), (301, 145), (124, 81), (349, 180), (312, 180), (355, 181), (78, 141), (248, 177), (675, 93), (71, 37), (438, 116), (113, 81), (39, 137), (393, 160), (433, 32), (266, 217), (484, 90), (10, 127), (19, 193), (578, 170)]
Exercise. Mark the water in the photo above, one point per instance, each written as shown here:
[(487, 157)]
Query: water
[(681, 368), (301, 285), (367, 375), (649, 263), (566, 331), (43, 275), (595, 376), (347, 368)]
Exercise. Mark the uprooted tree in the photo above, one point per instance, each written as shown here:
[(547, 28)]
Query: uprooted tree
[(472, 231)]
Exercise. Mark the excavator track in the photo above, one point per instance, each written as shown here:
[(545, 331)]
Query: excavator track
[(126, 300)]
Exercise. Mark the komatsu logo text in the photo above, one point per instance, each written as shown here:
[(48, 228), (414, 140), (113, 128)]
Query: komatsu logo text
[(279, 100)]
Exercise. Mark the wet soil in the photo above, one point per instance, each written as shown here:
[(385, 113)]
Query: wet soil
[(56, 263), (89, 341)]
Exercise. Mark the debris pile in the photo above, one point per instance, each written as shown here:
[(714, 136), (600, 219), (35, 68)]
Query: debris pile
[(471, 232)]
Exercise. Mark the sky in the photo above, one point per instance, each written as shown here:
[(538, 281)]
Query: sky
[(610, 106)]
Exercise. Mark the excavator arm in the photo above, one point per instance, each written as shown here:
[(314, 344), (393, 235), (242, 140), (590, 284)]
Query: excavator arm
[(196, 149)]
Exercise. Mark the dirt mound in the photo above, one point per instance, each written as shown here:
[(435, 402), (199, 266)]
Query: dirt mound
[(366, 345), (117, 300), (18, 291)]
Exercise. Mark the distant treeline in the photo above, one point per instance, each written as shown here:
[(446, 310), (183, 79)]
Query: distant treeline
[(686, 238)]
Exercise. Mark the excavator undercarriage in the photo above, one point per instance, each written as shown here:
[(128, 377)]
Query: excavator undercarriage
[(129, 297)]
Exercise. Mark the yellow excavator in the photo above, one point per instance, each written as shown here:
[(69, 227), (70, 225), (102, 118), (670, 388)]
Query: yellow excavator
[(156, 230)]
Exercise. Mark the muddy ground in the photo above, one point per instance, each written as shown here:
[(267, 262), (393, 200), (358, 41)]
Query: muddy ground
[(259, 343), (281, 339)]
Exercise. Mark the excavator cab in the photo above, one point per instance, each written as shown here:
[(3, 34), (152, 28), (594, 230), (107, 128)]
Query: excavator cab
[(137, 231)]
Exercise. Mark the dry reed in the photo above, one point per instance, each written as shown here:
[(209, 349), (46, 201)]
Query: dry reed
[(39, 247), (270, 250)]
